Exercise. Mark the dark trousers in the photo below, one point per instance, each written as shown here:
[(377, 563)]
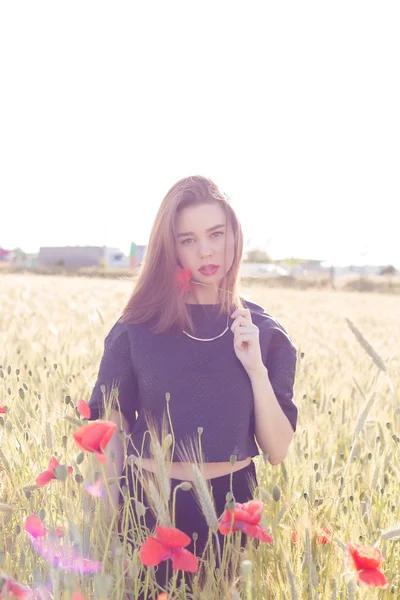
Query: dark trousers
[(188, 515)]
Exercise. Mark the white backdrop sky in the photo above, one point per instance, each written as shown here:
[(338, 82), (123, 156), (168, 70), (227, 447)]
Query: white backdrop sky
[(291, 107)]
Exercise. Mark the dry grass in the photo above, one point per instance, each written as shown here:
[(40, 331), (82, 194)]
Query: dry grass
[(342, 470)]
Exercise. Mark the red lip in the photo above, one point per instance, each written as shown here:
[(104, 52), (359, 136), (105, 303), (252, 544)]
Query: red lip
[(209, 269)]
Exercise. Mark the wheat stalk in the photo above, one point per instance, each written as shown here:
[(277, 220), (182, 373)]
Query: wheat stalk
[(205, 500), (377, 360), (360, 424), (159, 505), (162, 473)]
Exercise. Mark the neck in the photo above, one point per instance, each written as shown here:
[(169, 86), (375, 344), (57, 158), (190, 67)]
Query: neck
[(202, 295)]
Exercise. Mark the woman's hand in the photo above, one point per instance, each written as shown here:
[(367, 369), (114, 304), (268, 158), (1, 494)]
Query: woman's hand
[(246, 341)]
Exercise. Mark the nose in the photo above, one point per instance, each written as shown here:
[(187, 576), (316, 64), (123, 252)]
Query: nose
[(205, 251)]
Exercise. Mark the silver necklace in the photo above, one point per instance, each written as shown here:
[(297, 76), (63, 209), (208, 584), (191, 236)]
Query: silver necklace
[(209, 339)]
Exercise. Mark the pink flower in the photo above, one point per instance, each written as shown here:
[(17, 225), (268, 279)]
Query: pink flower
[(35, 526), (95, 489), (63, 556)]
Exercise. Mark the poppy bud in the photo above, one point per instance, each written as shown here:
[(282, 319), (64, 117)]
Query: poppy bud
[(276, 493), (186, 486)]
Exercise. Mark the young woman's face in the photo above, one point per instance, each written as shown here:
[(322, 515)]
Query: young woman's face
[(202, 234)]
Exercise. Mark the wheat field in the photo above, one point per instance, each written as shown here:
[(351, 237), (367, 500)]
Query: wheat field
[(342, 471)]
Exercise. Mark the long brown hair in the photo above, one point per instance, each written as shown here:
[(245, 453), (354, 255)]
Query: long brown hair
[(156, 293)]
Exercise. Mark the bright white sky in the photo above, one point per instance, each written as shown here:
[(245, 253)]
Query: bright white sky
[(291, 107)]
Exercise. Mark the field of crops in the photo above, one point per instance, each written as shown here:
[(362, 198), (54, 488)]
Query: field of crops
[(340, 482)]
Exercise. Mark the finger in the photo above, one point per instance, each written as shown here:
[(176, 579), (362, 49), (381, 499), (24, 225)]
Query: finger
[(245, 330), (245, 312), (239, 322), (246, 337), (244, 324)]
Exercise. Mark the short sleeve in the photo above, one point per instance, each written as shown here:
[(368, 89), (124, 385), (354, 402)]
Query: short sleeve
[(116, 378), (281, 359)]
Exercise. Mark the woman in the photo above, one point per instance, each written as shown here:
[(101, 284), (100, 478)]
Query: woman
[(227, 366)]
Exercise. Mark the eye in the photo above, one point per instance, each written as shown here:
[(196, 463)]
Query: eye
[(218, 233), (187, 240)]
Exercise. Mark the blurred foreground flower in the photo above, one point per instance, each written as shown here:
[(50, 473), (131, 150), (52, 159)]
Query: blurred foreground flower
[(245, 517), (94, 437), (95, 489), (366, 560), (35, 526), (168, 543), (46, 476), (63, 556), (10, 588), (55, 550)]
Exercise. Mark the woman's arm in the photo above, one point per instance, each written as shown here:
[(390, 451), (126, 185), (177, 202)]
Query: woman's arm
[(273, 430)]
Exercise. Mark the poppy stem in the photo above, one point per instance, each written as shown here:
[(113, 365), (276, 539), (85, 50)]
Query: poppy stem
[(218, 550), (167, 574), (210, 286)]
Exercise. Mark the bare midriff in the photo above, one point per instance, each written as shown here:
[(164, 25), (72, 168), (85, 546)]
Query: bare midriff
[(183, 470)]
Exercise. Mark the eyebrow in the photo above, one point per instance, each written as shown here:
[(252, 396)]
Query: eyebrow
[(192, 232)]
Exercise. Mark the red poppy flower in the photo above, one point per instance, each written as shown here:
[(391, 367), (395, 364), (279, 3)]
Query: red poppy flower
[(325, 537), (168, 543), (46, 476), (3, 410), (182, 279), (59, 531), (246, 518), (94, 437), (366, 560), (14, 588), (84, 409), (77, 596), (294, 537)]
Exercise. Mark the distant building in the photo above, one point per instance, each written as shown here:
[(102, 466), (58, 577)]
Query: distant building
[(76, 257), (139, 253), (6, 255), (250, 269)]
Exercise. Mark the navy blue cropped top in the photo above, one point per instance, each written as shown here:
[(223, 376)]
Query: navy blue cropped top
[(208, 386)]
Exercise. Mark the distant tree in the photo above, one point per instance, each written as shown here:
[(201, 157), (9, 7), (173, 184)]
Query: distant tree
[(388, 270), (19, 254), (293, 262), (258, 256)]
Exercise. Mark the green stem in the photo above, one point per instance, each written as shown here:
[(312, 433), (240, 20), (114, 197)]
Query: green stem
[(210, 286)]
